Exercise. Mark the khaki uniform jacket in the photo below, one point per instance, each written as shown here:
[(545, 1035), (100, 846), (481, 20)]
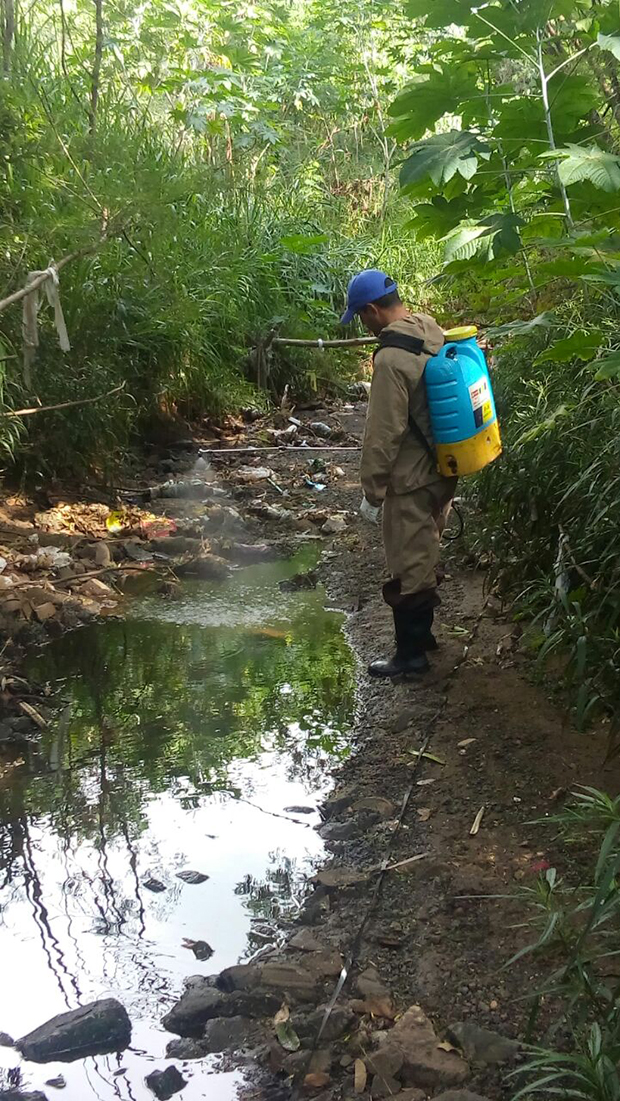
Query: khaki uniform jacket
[(393, 460), (397, 470)]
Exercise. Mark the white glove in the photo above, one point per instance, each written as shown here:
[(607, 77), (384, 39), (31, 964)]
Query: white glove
[(369, 512)]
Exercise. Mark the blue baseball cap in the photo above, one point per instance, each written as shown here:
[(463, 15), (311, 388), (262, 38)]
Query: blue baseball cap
[(366, 287)]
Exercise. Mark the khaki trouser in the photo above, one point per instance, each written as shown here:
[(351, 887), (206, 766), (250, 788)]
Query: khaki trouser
[(412, 527)]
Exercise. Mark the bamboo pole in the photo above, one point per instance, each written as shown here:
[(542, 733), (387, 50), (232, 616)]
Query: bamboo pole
[(351, 342)]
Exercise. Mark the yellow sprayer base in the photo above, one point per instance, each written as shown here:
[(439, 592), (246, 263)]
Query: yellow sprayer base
[(470, 455)]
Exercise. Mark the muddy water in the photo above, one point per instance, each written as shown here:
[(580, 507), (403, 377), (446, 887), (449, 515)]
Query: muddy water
[(190, 729)]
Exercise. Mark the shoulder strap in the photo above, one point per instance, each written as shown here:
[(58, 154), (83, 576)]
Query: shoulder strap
[(415, 345)]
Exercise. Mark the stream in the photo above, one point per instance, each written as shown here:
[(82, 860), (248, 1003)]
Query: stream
[(190, 729)]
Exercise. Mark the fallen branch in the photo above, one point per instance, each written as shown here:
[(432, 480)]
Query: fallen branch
[(350, 342), (77, 578), (61, 405)]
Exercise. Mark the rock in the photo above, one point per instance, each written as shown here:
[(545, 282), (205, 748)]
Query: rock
[(336, 878), (415, 1095), (21, 1095), (45, 611), (242, 976), (425, 1065), (298, 582), (480, 1045), (192, 877), (340, 1021), (291, 977), (386, 1062), (305, 941), (6, 1040), (392, 936), (339, 800), (93, 1029), (154, 885), (338, 831), (368, 984), (186, 1048), (320, 1061), (207, 566), (377, 804), (102, 555), (58, 1083), (229, 1034), (200, 1003), (335, 525), (300, 810), (384, 1087), (164, 1083)]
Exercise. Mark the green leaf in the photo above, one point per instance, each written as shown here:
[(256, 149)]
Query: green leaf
[(609, 367), (437, 218), (596, 165), (610, 42), (442, 156), (547, 425), (429, 98), (301, 243), (492, 235), (439, 14), (287, 1037), (523, 328), (582, 344)]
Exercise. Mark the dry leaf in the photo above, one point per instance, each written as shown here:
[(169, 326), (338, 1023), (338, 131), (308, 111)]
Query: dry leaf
[(465, 742), (33, 714), (361, 1075), (445, 1045), (423, 783), (476, 823), (316, 1081), (282, 1015), (424, 813)]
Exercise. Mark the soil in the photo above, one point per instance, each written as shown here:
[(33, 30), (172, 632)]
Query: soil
[(439, 931)]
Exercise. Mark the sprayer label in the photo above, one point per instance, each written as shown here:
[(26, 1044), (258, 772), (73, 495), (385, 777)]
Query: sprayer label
[(480, 401)]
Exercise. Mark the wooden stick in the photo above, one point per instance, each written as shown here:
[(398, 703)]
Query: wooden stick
[(255, 450), (78, 577), (62, 404), (351, 342)]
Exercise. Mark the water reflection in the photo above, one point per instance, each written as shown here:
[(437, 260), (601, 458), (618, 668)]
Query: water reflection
[(189, 730)]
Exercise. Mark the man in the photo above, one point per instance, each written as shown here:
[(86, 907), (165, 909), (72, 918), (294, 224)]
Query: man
[(398, 471)]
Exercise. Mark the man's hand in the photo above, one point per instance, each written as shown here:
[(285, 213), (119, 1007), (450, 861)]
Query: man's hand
[(369, 512)]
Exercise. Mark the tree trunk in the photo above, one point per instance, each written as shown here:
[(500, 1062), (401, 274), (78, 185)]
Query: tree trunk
[(96, 74), (8, 34)]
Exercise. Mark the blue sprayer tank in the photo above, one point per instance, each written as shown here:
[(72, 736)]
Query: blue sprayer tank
[(461, 405)]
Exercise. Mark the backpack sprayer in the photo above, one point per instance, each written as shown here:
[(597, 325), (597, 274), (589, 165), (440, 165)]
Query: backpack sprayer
[(462, 411)]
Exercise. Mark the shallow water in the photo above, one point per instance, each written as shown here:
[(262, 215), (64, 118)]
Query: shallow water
[(190, 728)]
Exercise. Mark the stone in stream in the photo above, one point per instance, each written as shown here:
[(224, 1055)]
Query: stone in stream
[(57, 1083), (230, 1034), (155, 885), (93, 1029), (482, 1046), (6, 1040), (192, 877), (165, 1083), (202, 1002), (185, 1048)]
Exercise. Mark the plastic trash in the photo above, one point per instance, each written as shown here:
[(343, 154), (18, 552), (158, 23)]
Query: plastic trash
[(321, 429), (315, 485)]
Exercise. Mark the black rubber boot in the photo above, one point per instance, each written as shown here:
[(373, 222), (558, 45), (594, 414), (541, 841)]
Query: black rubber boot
[(412, 634)]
